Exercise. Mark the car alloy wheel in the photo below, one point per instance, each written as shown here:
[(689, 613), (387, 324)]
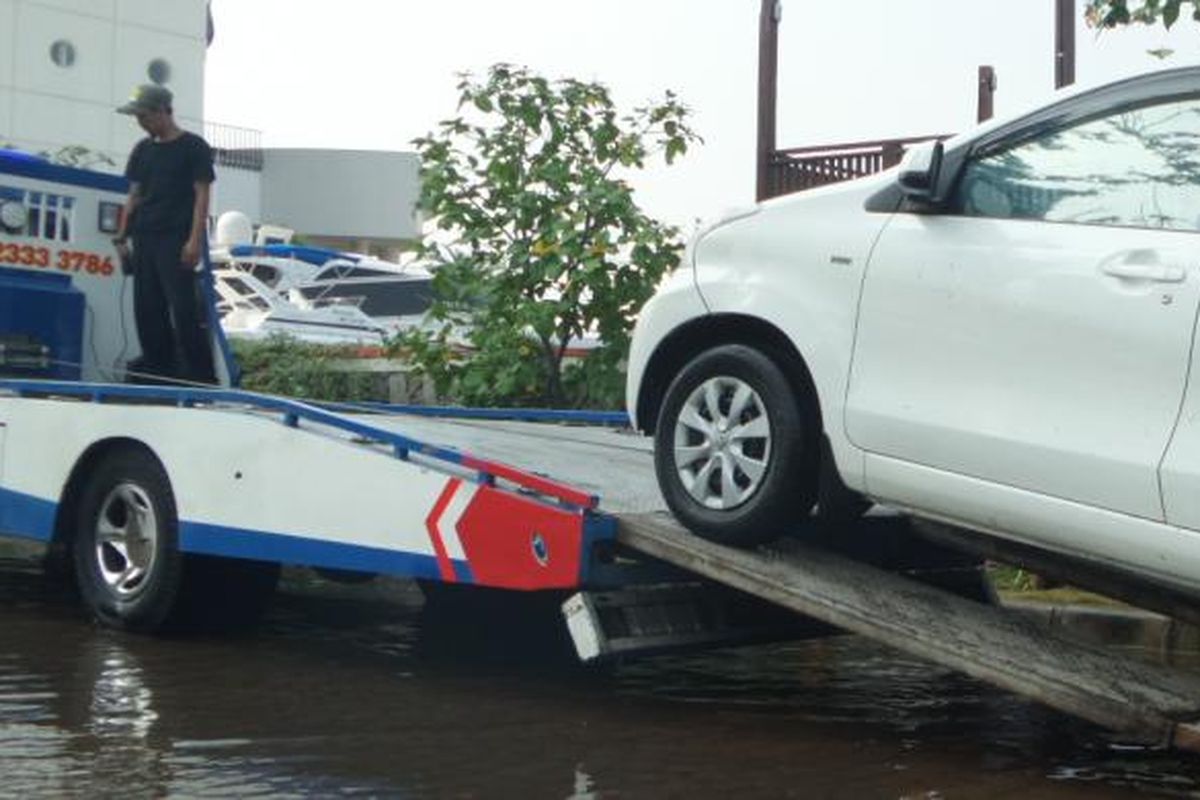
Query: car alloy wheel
[(722, 443), (736, 450)]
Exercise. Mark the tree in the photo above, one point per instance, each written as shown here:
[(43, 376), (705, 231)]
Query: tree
[(539, 241), (1115, 13)]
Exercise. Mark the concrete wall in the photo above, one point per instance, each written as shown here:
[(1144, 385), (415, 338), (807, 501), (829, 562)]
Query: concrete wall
[(237, 190), (349, 194), (44, 105)]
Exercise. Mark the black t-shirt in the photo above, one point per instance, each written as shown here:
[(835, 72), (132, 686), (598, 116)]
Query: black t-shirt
[(167, 173)]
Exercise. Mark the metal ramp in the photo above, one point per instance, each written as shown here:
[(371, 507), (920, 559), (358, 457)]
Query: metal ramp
[(986, 642)]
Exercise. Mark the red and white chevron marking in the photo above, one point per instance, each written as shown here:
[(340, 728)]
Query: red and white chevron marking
[(442, 524), (504, 539)]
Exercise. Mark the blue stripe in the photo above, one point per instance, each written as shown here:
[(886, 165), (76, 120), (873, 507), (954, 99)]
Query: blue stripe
[(56, 173), (462, 570), (26, 516), (310, 255), (215, 540)]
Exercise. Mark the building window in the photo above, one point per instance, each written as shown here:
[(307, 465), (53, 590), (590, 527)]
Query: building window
[(159, 71), (62, 53)]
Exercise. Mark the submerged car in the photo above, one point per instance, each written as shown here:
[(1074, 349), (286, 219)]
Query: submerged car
[(998, 334)]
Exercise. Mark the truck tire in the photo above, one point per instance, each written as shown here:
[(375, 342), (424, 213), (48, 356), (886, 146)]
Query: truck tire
[(734, 455), (130, 570), (126, 547)]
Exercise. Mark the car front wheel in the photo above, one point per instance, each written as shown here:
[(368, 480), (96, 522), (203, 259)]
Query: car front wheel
[(734, 455)]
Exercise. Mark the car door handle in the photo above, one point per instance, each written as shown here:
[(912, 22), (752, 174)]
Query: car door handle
[(1158, 273)]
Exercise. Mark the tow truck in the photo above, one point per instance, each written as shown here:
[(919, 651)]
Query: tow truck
[(177, 505)]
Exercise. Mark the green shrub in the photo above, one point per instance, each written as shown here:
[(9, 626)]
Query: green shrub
[(285, 366)]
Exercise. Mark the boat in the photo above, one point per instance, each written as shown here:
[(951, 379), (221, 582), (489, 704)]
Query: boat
[(252, 310), (317, 294), (395, 294)]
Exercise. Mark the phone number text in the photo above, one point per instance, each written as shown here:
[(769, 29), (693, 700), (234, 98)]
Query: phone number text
[(26, 255)]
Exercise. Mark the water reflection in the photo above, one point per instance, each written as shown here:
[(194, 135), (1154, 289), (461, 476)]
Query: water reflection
[(349, 697), (119, 721)]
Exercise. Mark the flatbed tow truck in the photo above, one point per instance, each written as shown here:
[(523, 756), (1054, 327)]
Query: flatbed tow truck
[(179, 504)]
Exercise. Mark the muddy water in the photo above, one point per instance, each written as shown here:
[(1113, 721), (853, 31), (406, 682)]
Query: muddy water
[(339, 696)]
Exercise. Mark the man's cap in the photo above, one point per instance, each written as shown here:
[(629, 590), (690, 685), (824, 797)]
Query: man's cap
[(147, 97)]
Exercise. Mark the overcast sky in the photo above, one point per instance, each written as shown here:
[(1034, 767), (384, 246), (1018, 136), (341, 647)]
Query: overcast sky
[(374, 74)]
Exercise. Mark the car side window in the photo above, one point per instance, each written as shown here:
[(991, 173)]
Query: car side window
[(1136, 168)]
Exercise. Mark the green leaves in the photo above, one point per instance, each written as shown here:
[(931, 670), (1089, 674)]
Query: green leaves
[(1170, 12), (546, 242), (675, 148), (1105, 14)]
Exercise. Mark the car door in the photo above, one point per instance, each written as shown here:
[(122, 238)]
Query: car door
[(1036, 334)]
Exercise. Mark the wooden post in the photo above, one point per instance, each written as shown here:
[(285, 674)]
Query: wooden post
[(768, 65), (893, 152), (1064, 43), (987, 89)]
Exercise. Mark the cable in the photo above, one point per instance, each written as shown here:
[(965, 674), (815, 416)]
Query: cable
[(120, 359), (90, 315), (127, 373)]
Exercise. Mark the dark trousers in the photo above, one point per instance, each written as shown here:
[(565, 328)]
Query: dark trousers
[(171, 324)]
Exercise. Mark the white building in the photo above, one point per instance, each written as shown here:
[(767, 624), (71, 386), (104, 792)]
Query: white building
[(72, 62)]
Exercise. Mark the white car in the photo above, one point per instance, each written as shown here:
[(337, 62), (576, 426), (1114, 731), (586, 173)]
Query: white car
[(999, 334)]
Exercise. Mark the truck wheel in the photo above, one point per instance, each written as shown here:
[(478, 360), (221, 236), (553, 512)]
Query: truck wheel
[(129, 568), (734, 457), (126, 551)]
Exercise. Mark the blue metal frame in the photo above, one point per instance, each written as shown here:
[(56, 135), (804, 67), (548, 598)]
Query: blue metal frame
[(209, 293), (617, 418), (293, 412)]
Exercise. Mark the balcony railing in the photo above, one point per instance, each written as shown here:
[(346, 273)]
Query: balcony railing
[(800, 168), (240, 148)]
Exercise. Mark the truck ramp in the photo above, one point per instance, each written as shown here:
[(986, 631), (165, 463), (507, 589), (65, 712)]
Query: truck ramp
[(1145, 701), (1150, 702)]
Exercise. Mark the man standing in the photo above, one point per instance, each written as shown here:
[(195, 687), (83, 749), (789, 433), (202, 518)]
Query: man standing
[(170, 174)]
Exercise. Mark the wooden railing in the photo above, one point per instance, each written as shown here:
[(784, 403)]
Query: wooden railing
[(802, 168)]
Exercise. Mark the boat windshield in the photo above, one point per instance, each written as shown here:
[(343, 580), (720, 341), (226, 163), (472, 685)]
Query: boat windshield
[(247, 297)]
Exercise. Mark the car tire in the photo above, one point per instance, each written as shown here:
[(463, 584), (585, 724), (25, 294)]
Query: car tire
[(126, 550), (735, 454)]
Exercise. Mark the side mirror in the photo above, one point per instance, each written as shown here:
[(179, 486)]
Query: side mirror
[(920, 170)]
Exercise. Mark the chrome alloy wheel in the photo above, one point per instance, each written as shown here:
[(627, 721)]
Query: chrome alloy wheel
[(126, 539), (722, 443)]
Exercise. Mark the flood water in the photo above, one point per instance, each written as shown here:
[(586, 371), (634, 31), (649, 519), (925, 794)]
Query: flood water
[(362, 696)]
